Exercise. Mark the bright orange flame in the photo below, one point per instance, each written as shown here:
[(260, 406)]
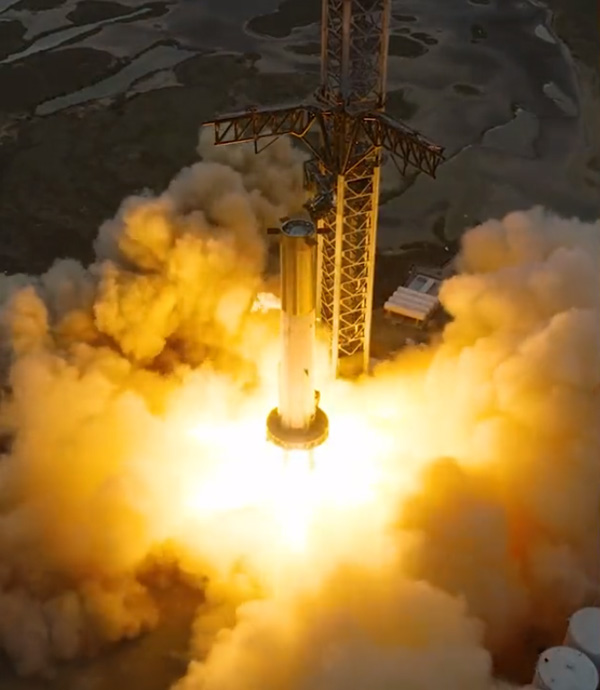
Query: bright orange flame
[(295, 491)]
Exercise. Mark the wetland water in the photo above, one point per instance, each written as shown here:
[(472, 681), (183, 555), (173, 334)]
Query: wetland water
[(487, 79)]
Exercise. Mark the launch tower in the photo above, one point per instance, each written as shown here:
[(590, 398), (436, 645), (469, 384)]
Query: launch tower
[(348, 116)]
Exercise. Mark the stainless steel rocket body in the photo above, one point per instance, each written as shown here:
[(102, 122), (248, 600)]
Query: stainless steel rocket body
[(297, 403), (297, 422)]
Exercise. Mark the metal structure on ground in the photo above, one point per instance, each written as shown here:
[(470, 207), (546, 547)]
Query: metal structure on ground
[(353, 130)]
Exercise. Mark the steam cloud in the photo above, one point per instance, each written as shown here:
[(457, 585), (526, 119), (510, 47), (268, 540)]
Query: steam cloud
[(132, 418)]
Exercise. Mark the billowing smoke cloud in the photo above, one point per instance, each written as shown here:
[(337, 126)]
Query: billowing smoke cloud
[(96, 361), (361, 628), (450, 525), (512, 523), (490, 475)]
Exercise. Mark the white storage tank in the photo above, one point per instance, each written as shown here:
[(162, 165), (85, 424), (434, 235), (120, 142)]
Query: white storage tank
[(564, 668), (583, 633)]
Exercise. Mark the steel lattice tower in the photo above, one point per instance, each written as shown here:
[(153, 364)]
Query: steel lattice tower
[(348, 112)]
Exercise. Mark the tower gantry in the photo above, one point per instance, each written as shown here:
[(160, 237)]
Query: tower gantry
[(348, 115)]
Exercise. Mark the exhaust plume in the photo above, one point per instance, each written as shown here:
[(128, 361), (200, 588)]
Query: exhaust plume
[(450, 524)]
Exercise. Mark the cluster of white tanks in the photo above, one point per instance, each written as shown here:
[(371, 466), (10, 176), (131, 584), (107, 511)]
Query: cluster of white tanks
[(576, 664)]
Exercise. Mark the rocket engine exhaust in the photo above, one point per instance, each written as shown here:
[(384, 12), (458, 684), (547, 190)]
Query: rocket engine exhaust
[(297, 423)]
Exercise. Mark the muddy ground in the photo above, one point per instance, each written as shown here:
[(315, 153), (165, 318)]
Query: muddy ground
[(61, 175)]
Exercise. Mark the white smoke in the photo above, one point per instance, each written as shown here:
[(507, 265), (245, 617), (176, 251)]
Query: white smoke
[(132, 419), (94, 359), (493, 475)]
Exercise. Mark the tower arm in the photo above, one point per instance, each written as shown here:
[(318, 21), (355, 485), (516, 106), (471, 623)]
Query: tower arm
[(255, 124), (407, 145)]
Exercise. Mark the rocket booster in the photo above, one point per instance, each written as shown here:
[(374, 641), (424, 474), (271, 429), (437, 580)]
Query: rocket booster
[(297, 421), (297, 403)]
